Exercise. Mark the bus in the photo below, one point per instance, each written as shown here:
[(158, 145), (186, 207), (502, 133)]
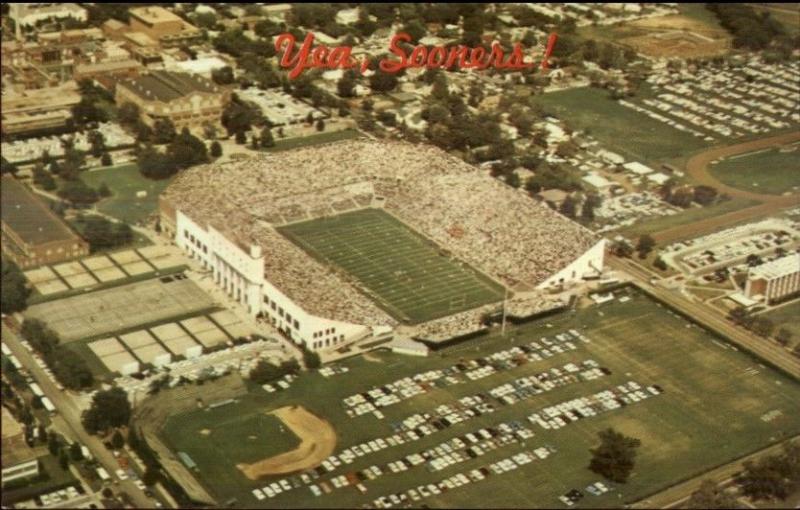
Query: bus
[(49, 406)]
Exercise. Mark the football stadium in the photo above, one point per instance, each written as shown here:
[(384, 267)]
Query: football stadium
[(341, 243)]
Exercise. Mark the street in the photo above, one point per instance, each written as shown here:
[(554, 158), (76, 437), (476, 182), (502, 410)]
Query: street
[(69, 417)]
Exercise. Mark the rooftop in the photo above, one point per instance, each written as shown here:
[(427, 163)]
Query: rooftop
[(167, 86), (29, 217), (779, 267)]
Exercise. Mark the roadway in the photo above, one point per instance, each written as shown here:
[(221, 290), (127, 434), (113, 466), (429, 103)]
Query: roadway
[(69, 417)]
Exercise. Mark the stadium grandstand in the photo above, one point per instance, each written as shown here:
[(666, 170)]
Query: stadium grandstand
[(315, 240)]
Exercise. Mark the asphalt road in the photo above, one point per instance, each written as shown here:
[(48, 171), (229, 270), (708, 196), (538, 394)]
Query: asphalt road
[(71, 416)]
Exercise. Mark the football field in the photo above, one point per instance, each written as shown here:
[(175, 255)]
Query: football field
[(406, 274), (711, 404)]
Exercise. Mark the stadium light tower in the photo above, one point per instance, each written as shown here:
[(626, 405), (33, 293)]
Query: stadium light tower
[(505, 298)]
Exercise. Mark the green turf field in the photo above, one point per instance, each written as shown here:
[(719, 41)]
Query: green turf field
[(405, 273), (770, 171), (618, 128), (282, 144), (125, 181), (710, 413), (218, 439)]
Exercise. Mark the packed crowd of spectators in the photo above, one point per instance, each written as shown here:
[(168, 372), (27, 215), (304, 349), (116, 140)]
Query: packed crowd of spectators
[(480, 220)]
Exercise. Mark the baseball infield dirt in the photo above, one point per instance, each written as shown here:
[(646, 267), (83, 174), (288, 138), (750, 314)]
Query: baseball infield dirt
[(317, 442)]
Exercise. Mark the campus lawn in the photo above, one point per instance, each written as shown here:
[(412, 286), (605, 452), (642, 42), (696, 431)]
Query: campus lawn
[(620, 129), (282, 144), (240, 432), (405, 273), (125, 181), (770, 171), (786, 317), (710, 413)]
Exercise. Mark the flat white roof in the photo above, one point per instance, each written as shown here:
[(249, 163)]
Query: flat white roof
[(777, 268)]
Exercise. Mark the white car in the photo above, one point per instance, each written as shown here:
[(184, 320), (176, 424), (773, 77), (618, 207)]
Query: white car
[(259, 495), (121, 474)]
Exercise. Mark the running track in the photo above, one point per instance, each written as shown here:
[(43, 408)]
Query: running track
[(697, 168)]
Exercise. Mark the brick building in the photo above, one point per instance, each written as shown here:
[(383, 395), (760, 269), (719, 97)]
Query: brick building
[(32, 234), (187, 100)]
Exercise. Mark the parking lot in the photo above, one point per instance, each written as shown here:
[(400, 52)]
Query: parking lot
[(523, 411)]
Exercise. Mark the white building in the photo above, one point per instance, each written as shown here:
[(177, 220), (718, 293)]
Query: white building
[(775, 280), (227, 218), (28, 14)]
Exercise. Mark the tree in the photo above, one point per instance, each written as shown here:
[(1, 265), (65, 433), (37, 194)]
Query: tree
[(659, 264), (117, 441), (709, 496), (163, 131), (568, 207), (75, 451), (216, 149), (382, 81), (705, 195), (762, 326), (267, 140), (150, 476), (128, 113), (320, 125), (109, 408), (78, 192), (783, 337), (103, 190), (106, 160), (311, 359), (222, 75), (53, 443), (645, 245), (416, 30), (346, 86), (97, 142), (591, 201), (63, 459), (240, 138), (764, 479), (14, 290), (614, 458)]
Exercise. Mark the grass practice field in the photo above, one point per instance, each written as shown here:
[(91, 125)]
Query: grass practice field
[(125, 181), (769, 171), (219, 438), (718, 404), (401, 270), (618, 128)]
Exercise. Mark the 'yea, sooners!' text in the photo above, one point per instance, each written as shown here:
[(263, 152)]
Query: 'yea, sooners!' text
[(443, 57)]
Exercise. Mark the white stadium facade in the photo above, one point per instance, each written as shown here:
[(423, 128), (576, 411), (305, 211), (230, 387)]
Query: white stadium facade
[(226, 215)]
